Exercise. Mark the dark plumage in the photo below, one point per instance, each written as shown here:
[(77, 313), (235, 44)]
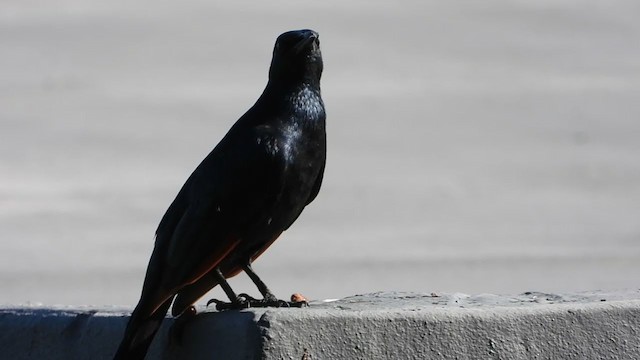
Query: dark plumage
[(244, 194)]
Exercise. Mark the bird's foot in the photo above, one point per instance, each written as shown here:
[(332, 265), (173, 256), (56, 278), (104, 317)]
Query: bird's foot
[(245, 301), (233, 305)]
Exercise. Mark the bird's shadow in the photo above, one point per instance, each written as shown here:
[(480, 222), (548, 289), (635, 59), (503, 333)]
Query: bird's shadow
[(210, 335)]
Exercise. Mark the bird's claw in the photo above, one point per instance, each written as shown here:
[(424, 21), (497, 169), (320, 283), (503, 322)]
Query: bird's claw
[(245, 301), (234, 305), (246, 297)]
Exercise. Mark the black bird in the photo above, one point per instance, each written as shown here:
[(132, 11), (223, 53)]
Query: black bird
[(244, 194)]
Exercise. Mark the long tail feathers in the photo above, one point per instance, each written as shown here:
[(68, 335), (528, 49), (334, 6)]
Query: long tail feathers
[(140, 333)]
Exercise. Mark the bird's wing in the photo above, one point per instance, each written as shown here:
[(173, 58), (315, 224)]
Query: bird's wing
[(229, 190)]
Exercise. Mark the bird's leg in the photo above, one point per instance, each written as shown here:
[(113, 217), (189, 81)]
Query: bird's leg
[(264, 290), (269, 300), (236, 302)]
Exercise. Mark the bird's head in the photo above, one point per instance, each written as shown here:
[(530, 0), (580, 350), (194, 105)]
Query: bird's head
[(297, 58)]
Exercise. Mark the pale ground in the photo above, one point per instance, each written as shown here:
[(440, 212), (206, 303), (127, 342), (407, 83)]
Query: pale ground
[(476, 147)]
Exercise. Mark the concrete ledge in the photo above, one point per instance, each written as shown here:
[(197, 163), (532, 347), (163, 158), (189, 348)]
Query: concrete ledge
[(373, 326)]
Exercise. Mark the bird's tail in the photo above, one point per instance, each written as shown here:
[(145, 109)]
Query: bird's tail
[(140, 332)]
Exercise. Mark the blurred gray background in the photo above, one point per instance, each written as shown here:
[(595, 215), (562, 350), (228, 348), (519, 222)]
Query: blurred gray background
[(473, 146)]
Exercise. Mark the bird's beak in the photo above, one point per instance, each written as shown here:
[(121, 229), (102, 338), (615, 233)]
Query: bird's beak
[(312, 38)]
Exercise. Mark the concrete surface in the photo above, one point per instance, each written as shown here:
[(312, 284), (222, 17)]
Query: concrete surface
[(474, 146), (372, 326)]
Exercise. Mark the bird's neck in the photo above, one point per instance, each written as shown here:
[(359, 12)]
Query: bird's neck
[(302, 99), (306, 101)]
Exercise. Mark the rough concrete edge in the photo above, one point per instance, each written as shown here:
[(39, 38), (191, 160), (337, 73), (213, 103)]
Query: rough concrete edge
[(608, 330)]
